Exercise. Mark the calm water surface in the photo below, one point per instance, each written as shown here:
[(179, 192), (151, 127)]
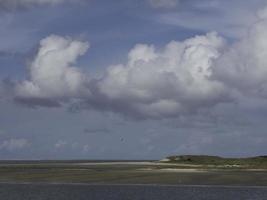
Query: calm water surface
[(119, 192)]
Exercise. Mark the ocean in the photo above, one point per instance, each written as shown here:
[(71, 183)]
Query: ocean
[(128, 192)]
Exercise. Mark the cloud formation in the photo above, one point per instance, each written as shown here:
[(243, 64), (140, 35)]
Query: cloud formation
[(243, 66), (152, 84), (167, 82), (181, 78), (52, 76)]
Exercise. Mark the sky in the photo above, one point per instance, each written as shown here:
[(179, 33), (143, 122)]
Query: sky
[(132, 79)]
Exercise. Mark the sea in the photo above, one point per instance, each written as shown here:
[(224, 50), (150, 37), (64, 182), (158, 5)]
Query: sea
[(27, 191)]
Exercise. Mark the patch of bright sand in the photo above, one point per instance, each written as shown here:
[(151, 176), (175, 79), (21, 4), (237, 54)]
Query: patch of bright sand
[(173, 170)]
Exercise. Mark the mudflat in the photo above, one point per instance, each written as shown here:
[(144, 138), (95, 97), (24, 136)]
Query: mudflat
[(145, 172)]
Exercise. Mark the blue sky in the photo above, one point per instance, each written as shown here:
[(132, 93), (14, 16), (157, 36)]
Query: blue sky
[(132, 79)]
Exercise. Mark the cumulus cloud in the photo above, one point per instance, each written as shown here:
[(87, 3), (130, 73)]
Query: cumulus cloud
[(243, 66), (190, 75), (163, 3), (14, 144), (154, 83), (52, 76), (167, 82), (180, 78)]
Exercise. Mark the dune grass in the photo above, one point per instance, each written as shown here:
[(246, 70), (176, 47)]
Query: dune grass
[(259, 162)]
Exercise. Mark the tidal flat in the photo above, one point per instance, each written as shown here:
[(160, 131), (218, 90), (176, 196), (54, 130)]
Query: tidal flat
[(137, 172)]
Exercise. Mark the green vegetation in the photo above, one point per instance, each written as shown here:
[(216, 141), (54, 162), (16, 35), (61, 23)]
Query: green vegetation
[(259, 162)]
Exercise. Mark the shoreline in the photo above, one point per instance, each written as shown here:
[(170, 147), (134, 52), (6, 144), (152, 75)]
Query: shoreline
[(133, 185)]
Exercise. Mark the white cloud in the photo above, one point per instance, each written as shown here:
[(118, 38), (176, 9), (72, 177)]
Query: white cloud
[(243, 66), (180, 78), (167, 82), (153, 83), (187, 76), (51, 72), (163, 3), (14, 144)]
